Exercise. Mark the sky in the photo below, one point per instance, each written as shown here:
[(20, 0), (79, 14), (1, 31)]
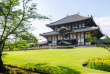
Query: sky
[(58, 9)]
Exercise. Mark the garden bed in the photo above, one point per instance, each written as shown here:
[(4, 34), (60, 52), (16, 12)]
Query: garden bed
[(99, 64)]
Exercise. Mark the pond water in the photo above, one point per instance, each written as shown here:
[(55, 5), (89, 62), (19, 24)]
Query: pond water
[(18, 71)]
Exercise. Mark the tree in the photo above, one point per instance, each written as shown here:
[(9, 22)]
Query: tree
[(95, 40), (106, 37), (21, 41), (28, 37), (15, 17), (9, 45), (21, 44)]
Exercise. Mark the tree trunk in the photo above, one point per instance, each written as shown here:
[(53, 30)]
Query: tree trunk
[(2, 67), (2, 44)]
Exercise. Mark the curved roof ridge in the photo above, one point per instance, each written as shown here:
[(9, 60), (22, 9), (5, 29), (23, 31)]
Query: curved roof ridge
[(69, 19), (84, 15), (57, 21)]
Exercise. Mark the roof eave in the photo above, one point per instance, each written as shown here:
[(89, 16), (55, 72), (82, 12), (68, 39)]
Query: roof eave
[(49, 25), (69, 32)]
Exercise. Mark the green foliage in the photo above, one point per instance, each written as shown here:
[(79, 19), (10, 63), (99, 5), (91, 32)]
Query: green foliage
[(44, 68), (22, 41), (21, 44), (69, 58), (100, 64), (65, 47), (28, 37), (15, 16), (106, 37), (9, 46), (98, 43)]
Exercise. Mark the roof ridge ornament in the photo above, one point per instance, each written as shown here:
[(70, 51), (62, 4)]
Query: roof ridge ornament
[(78, 12), (67, 15), (91, 16)]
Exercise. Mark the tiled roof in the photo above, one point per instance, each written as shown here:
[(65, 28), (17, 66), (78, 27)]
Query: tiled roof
[(85, 29), (104, 40), (69, 19), (76, 30), (50, 33)]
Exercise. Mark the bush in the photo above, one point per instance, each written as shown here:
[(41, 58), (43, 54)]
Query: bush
[(65, 47), (100, 64), (44, 68)]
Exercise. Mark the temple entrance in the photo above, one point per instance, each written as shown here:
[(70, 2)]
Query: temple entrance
[(64, 43)]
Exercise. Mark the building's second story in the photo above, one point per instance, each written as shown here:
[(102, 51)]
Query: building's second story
[(73, 22)]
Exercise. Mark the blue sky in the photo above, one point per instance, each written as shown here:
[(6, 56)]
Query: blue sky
[(99, 9), (60, 8)]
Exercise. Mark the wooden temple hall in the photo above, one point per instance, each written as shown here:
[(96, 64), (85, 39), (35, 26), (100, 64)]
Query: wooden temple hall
[(72, 30)]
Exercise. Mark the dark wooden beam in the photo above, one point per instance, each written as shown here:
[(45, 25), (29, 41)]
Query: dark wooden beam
[(84, 39)]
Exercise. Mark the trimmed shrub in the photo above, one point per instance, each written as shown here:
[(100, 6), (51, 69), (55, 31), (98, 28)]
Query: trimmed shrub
[(65, 47), (47, 69), (100, 64)]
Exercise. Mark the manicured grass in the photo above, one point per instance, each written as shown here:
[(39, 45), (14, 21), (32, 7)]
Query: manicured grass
[(69, 58)]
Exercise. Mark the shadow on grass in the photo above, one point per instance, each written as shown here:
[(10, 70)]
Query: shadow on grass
[(44, 68), (4, 54), (68, 70)]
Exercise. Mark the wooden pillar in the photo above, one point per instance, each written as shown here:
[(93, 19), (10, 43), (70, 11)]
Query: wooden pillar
[(85, 23), (47, 39), (84, 39), (57, 39), (80, 38), (76, 38), (78, 25), (71, 26), (69, 37)]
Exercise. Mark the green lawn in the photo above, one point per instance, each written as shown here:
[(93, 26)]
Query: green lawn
[(69, 58)]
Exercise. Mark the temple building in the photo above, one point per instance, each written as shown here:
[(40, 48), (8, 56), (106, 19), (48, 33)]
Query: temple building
[(72, 30)]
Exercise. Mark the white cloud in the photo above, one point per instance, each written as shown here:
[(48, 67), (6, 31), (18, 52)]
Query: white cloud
[(40, 27), (104, 24)]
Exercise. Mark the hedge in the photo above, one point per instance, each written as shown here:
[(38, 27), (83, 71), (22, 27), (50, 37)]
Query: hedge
[(65, 47)]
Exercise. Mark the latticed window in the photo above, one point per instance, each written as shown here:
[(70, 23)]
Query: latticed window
[(83, 24), (55, 38), (56, 28), (73, 26), (75, 36), (83, 43), (86, 35), (76, 25), (80, 38), (78, 35), (79, 25), (69, 27), (49, 38), (82, 35), (88, 43), (71, 36), (58, 37)]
